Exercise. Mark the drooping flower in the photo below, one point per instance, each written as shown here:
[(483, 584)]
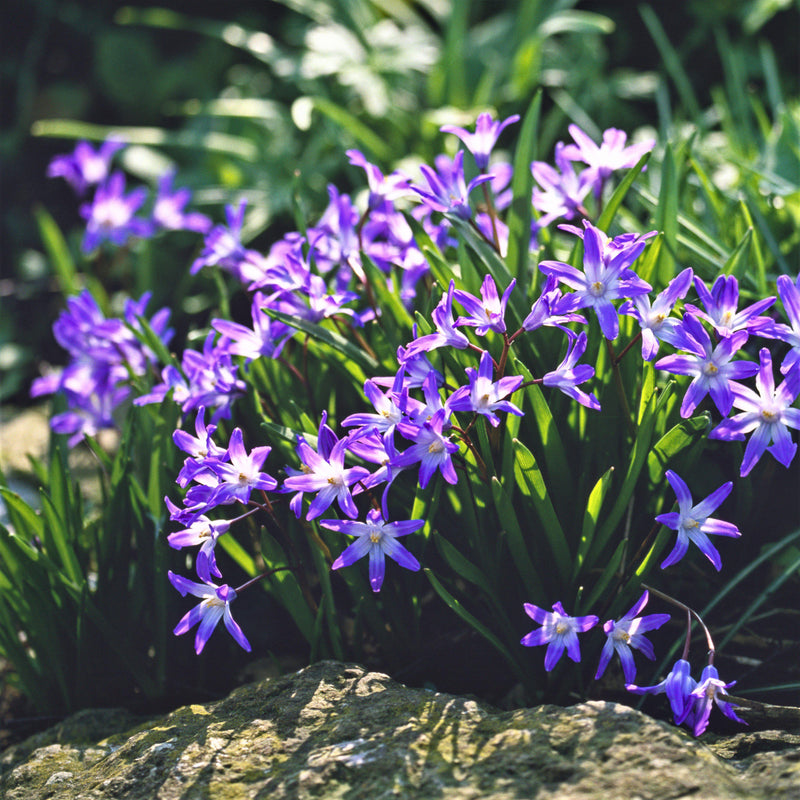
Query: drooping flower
[(378, 539), (678, 685), (693, 522), (559, 632), (711, 690), (767, 415), (628, 633), (214, 606)]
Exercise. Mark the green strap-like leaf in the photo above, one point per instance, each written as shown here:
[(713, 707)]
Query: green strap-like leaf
[(462, 612)]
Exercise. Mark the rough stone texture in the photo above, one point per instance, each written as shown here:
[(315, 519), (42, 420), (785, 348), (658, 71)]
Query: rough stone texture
[(337, 731)]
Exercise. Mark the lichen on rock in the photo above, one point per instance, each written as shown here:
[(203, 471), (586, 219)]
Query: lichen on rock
[(338, 731)]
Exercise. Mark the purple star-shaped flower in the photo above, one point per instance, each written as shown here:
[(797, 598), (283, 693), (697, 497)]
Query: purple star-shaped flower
[(378, 539), (85, 166), (712, 370), (432, 449), (721, 307), (482, 141), (488, 313), (168, 213), (654, 318), (612, 154), (627, 633), (214, 606), (568, 374), (559, 632), (111, 214), (767, 415), (709, 691), (693, 522), (448, 190), (484, 396), (327, 476), (602, 279)]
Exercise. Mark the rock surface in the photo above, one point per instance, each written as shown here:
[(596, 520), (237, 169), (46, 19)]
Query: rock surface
[(338, 731)]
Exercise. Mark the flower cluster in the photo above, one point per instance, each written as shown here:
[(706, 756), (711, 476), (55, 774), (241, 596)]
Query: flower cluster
[(456, 384), (105, 352), (112, 215)]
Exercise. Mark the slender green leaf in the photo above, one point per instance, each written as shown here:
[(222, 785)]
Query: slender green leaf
[(591, 516), (516, 539), (57, 250), (531, 483), (473, 622)]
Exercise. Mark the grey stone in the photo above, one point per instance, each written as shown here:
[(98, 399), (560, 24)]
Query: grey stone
[(338, 731)]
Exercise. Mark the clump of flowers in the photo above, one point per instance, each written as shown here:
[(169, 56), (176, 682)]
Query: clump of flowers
[(459, 405)]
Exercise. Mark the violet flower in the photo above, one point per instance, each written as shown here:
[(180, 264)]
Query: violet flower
[(712, 370), (378, 539), (484, 396), (721, 307), (449, 191), (324, 472), (789, 292), (568, 374), (678, 686), (559, 632), (767, 415), (168, 213), (711, 690), (214, 606), (85, 166), (654, 318), (601, 280), (223, 248), (242, 475), (562, 191), (482, 141), (432, 449), (626, 633), (204, 532), (553, 309), (693, 522), (110, 215), (488, 313), (612, 154), (445, 334)]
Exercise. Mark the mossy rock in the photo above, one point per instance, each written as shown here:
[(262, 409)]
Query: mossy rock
[(338, 731)]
